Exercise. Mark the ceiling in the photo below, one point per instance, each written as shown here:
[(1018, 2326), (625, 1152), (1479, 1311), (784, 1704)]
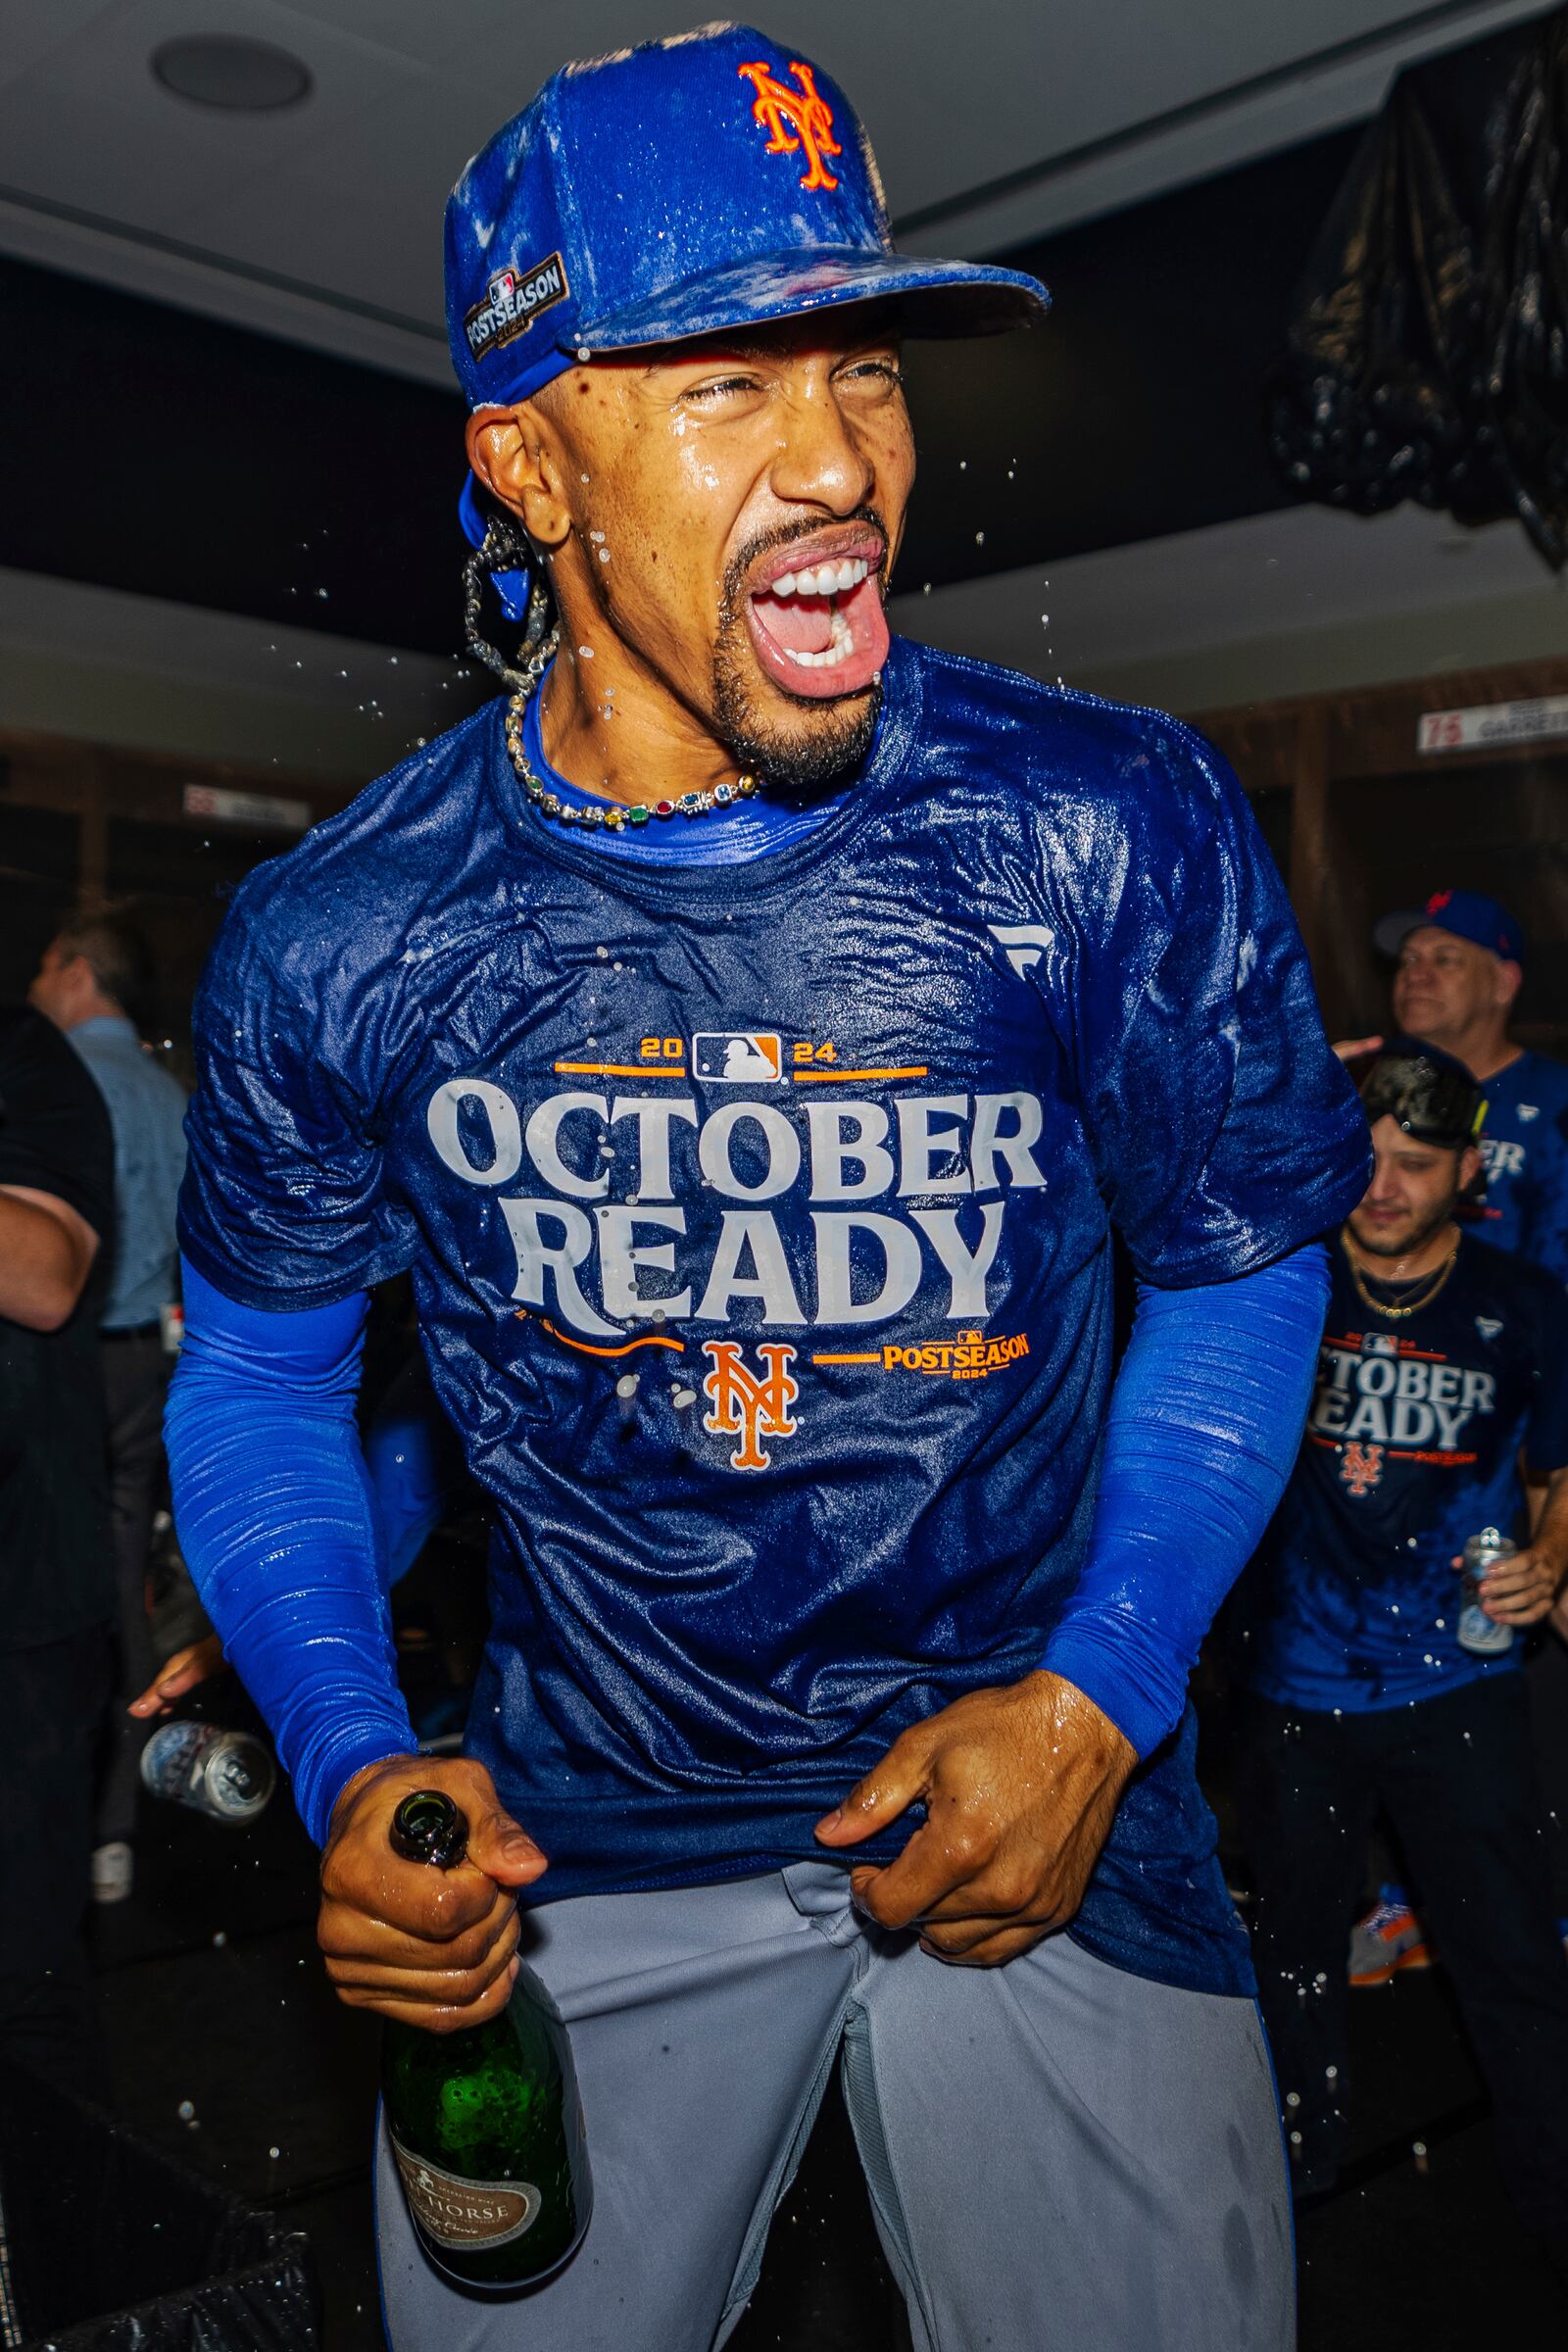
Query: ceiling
[(321, 224)]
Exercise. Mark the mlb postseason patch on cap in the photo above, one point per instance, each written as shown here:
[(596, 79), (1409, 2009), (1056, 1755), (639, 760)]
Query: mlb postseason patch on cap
[(513, 299)]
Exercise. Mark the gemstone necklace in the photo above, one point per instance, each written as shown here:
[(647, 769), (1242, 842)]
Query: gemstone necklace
[(612, 816)]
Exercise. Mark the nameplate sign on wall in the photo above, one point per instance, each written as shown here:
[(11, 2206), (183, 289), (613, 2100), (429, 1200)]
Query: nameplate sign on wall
[(1487, 723), (263, 812)]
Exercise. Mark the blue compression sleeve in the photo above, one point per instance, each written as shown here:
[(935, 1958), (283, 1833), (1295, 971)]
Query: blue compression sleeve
[(276, 1524), (1204, 1423)]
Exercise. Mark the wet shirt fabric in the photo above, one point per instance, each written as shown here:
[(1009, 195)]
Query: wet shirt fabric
[(1524, 1145), (759, 1222), (1411, 1445)]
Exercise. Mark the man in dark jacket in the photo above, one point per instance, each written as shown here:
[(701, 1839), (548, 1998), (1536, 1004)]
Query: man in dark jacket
[(57, 1591)]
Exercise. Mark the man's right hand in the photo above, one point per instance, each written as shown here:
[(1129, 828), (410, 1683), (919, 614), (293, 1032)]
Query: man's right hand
[(431, 1947)]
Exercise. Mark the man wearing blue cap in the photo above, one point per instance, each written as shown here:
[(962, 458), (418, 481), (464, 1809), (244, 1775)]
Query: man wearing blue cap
[(1375, 1679), (751, 1034), (1459, 964)]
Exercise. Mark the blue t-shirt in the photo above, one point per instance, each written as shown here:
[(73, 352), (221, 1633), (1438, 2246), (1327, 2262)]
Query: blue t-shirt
[(1412, 1444), (147, 1113), (1525, 1146), (759, 1223)]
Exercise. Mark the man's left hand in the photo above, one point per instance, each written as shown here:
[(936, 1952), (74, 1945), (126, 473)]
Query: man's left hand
[(1021, 1787), (1521, 1589)]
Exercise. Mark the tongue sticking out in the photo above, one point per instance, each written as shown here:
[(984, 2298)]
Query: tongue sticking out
[(816, 647), (802, 624)]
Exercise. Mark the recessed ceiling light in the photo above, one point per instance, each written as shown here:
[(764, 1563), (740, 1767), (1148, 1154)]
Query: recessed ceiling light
[(215, 69)]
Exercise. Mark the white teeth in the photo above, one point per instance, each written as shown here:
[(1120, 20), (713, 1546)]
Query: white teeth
[(827, 579)]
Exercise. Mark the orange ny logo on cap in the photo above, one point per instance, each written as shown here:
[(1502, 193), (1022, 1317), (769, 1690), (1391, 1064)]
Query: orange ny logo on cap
[(805, 110), (746, 1406)]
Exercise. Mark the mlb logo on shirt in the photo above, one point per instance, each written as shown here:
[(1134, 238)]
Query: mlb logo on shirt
[(737, 1056), (1378, 1343)]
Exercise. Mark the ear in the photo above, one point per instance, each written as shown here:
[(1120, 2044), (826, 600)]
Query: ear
[(1469, 1167), (1510, 978), (509, 454)]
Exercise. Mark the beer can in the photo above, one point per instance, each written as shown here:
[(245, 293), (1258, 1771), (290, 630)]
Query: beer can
[(1477, 1632), (227, 1775)]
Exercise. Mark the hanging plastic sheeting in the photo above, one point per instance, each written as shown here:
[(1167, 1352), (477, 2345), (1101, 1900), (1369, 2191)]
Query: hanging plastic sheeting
[(1526, 275), (1375, 401), (1429, 355), (105, 2245)]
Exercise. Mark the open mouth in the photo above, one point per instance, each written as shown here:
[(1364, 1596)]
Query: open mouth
[(816, 618)]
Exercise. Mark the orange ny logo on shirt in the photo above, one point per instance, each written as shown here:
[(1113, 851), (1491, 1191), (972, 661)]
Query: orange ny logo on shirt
[(1361, 1468), (805, 112), (746, 1406)]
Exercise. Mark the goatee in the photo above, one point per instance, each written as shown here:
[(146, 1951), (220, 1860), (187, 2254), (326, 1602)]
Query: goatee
[(790, 765)]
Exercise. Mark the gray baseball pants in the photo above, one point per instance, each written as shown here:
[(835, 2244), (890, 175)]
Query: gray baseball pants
[(1058, 2154)]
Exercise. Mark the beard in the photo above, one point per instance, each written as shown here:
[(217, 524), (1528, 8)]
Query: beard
[(1414, 1238), (797, 762)]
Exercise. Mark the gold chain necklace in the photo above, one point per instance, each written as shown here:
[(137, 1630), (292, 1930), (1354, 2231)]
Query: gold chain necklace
[(1413, 1307)]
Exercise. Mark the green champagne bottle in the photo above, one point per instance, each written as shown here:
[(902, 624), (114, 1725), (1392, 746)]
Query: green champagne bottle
[(486, 2123)]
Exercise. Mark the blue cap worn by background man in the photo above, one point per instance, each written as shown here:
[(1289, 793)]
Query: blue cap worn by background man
[(1466, 913)]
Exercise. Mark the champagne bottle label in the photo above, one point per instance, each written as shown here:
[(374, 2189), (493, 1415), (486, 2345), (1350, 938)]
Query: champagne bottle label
[(459, 2213)]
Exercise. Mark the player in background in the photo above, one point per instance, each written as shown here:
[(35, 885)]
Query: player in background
[(1459, 965), (750, 1033), (1445, 1361), (95, 984)]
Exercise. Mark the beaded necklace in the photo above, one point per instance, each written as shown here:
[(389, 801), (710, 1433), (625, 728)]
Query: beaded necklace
[(612, 816)]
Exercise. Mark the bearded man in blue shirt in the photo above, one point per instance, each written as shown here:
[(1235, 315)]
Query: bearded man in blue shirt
[(1375, 1680), (750, 1035)]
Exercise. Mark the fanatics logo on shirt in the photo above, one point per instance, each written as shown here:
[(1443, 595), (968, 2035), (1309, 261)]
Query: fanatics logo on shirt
[(1024, 943)]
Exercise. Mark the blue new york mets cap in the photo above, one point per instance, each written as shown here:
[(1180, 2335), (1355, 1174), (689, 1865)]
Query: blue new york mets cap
[(1467, 913), (693, 185)]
